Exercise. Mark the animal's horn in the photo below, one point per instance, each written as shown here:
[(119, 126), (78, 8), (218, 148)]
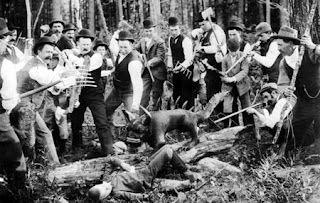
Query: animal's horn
[(159, 104), (146, 111), (184, 105), (177, 102)]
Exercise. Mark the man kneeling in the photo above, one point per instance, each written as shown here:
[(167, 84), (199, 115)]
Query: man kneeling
[(130, 184)]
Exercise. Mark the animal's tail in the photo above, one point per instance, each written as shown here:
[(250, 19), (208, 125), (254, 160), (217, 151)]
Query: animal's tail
[(213, 102)]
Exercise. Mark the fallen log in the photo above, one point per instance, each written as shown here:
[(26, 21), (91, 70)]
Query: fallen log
[(166, 185), (283, 173), (214, 165), (95, 169)]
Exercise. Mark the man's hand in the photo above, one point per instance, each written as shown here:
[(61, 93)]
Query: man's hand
[(228, 79), (289, 91), (59, 113), (307, 41), (69, 81), (9, 104), (251, 111), (219, 57), (178, 69), (192, 176)]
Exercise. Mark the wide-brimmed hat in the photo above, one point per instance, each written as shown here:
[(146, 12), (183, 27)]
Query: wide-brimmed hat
[(4, 28), (12, 27), (125, 35), (85, 33), (199, 18), (69, 26), (173, 21), (98, 43), (268, 86), (56, 20), (147, 24), (235, 25), (288, 33), (263, 27), (42, 41)]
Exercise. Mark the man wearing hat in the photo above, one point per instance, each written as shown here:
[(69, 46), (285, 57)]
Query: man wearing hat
[(235, 30), (25, 115), (127, 80), (91, 97), (123, 25), (213, 47), (180, 56), (56, 27), (269, 56), (69, 32), (306, 112), (237, 82), (11, 155), (153, 47)]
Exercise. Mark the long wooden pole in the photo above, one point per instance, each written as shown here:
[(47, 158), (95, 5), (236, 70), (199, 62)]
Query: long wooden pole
[(29, 15), (44, 87)]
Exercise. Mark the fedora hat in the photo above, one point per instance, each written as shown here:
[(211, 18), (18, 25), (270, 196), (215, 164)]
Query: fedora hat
[(56, 20), (234, 25), (125, 35), (4, 28), (173, 21), (288, 33), (263, 27), (98, 43), (69, 26), (147, 24), (42, 41), (199, 18), (85, 33)]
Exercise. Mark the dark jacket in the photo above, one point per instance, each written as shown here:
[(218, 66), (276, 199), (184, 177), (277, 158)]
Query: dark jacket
[(155, 54)]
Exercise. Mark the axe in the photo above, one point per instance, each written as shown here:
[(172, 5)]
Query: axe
[(206, 14)]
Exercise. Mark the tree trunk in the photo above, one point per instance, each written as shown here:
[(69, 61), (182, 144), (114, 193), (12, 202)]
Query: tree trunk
[(91, 16), (65, 10), (219, 12), (141, 16), (184, 7), (268, 20), (155, 12), (56, 9), (241, 9), (76, 13), (29, 16), (94, 169), (172, 7), (261, 12), (120, 10), (284, 18), (102, 18)]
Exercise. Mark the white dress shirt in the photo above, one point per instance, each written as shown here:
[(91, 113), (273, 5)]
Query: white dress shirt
[(270, 57)]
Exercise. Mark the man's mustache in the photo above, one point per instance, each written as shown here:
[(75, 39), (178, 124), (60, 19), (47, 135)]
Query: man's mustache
[(48, 58), (57, 31)]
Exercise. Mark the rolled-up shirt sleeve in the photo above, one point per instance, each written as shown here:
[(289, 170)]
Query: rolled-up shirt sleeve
[(270, 57), (169, 54), (9, 84), (95, 62), (214, 44), (43, 75), (135, 70), (275, 116), (187, 51)]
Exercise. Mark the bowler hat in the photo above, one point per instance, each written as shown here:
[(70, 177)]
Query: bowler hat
[(233, 44), (289, 34), (69, 26), (263, 27), (173, 21), (199, 18), (125, 35), (98, 43), (235, 25), (3, 27), (268, 86), (84, 33), (42, 41), (147, 24), (56, 20)]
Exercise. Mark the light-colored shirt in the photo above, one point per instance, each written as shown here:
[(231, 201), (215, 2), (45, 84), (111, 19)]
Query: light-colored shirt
[(272, 119), (216, 38), (270, 57), (187, 51), (9, 84), (114, 46)]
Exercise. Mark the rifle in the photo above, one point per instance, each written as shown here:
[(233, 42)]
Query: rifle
[(296, 70)]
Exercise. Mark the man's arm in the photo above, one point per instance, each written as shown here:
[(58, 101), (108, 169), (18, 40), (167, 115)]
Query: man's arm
[(243, 72), (187, 51), (95, 62), (169, 60), (213, 48), (114, 46), (135, 70), (270, 57), (160, 54)]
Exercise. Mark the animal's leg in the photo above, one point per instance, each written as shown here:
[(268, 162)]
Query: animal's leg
[(194, 136)]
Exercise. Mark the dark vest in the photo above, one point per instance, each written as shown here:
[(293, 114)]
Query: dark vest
[(211, 59), (2, 110), (242, 45), (122, 79), (96, 77), (273, 71), (25, 83), (177, 49)]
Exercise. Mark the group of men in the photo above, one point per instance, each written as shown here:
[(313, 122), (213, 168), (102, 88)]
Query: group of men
[(139, 71)]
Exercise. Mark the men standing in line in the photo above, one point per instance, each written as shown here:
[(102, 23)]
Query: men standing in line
[(214, 48), (91, 97), (180, 56), (306, 112), (127, 80), (153, 48), (269, 56), (12, 159)]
